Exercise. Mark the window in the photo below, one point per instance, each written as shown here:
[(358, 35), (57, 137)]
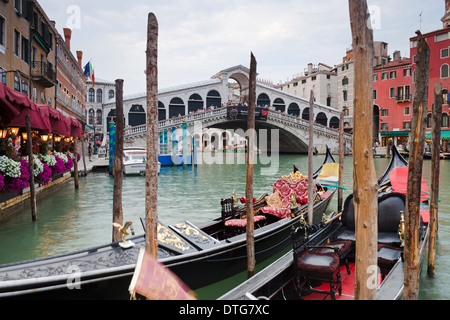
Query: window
[(444, 123), (345, 95), (42, 97), (111, 94), (384, 76), (99, 96), (2, 75), (2, 34), (384, 126), (400, 94), (16, 83), (384, 112), (375, 77), (34, 95), (407, 72), (392, 93), (18, 5), (91, 115), (407, 125), (345, 81), (444, 53), (429, 120), (24, 87), (91, 95), (392, 74), (25, 50), (444, 71), (375, 94), (407, 111), (16, 42)]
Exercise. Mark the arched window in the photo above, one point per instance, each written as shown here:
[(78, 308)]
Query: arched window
[(294, 109), (161, 111), (305, 114), (263, 100), (334, 123), (213, 99), (279, 105), (99, 117), (444, 123), (345, 81), (99, 96), (429, 120), (111, 94), (91, 95), (195, 103), (91, 116), (444, 71), (136, 116), (176, 107), (322, 118)]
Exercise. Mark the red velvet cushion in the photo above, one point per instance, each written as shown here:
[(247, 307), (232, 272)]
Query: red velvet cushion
[(242, 222), (318, 264)]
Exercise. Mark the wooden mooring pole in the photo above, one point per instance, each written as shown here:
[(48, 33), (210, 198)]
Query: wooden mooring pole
[(435, 170), (365, 186), (151, 169), (310, 160), (118, 161), (412, 212), (251, 260), (75, 162), (341, 162), (31, 168)]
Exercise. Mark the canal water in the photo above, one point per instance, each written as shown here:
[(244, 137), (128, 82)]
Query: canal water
[(70, 219)]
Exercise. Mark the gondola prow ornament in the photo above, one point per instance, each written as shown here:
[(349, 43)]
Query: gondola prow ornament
[(125, 244)]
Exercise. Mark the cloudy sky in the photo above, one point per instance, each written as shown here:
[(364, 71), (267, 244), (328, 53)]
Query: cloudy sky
[(198, 38)]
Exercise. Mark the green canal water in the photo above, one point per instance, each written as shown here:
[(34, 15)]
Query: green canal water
[(70, 219)]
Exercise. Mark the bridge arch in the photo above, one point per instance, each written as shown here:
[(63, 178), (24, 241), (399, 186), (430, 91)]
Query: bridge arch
[(176, 107), (213, 98), (162, 112), (136, 115), (305, 114), (322, 119), (334, 123), (279, 105), (294, 109), (263, 99), (195, 103)]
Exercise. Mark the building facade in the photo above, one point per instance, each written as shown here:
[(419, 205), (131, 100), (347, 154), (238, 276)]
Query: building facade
[(439, 43), (320, 79), (71, 85), (393, 99)]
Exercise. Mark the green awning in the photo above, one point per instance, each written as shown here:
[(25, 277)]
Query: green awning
[(445, 135), (395, 134)]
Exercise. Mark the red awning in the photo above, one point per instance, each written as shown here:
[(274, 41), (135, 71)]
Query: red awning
[(399, 182), (15, 106)]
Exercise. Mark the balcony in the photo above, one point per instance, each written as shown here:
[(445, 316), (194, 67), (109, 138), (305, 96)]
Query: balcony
[(43, 73), (404, 98)]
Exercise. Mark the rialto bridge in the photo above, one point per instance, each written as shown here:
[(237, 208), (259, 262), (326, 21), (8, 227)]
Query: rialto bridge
[(282, 121)]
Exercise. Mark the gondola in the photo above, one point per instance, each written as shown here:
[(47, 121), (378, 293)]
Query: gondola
[(286, 278), (199, 256)]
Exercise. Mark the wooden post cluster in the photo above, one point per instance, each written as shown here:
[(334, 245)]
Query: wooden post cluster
[(31, 168)]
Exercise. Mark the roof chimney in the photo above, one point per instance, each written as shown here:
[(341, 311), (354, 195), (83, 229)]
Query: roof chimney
[(67, 36), (80, 58), (397, 56)]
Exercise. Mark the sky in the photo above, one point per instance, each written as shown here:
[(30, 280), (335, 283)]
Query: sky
[(198, 38)]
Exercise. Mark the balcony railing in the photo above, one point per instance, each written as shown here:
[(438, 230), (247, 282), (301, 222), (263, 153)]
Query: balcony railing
[(404, 98), (43, 73)]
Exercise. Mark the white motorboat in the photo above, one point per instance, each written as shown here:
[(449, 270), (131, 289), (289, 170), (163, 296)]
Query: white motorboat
[(134, 160)]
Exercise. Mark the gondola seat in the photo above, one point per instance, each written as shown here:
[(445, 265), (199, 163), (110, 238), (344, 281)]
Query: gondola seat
[(232, 218), (390, 206), (312, 266), (315, 266), (343, 250), (387, 258), (279, 202)]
